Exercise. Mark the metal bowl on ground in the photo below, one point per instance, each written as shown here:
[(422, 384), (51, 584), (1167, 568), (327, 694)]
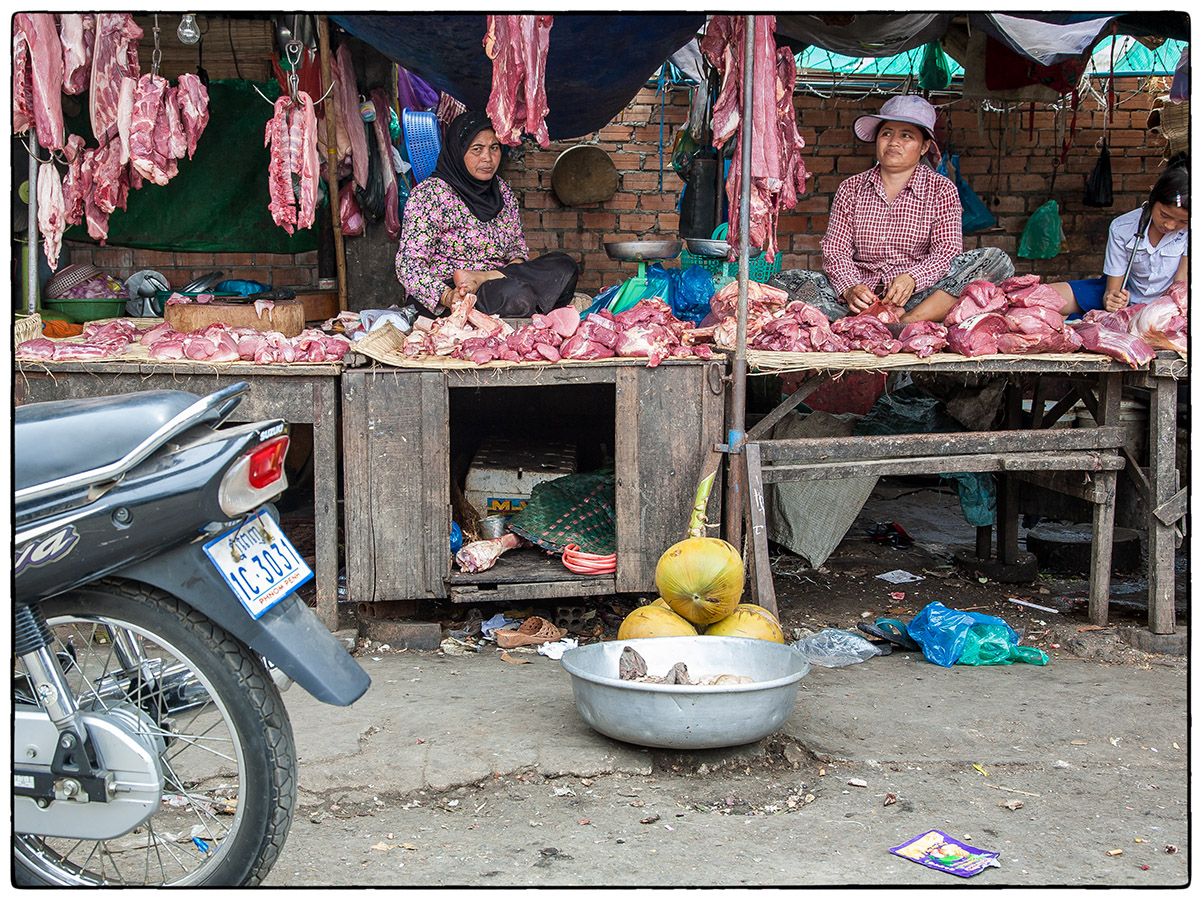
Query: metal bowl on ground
[(640, 251), (687, 717)]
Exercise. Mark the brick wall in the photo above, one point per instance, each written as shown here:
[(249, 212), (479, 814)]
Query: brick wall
[(1013, 186), (279, 269)]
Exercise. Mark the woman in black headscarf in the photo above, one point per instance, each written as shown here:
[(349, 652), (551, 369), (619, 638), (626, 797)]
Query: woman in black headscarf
[(462, 233)]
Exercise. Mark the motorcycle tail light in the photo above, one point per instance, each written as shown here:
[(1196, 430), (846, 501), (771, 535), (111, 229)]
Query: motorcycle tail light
[(255, 478), (267, 463)]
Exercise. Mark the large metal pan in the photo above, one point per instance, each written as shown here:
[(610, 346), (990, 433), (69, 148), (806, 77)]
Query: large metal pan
[(687, 717), (641, 251)]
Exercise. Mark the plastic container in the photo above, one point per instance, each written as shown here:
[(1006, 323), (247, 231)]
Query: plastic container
[(87, 310)]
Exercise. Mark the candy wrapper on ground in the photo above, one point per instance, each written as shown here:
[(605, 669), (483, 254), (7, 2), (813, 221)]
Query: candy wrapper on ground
[(937, 850)]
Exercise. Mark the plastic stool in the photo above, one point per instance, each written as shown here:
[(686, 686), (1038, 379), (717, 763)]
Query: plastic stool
[(422, 141)]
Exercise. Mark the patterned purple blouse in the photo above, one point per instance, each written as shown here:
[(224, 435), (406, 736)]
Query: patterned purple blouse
[(439, 234)]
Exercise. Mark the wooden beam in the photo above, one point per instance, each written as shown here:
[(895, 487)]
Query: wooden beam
[(1162, 473), (331, 116), (766, 424), (762, 587), (1174, 509), (1102, 552), (1083, 461), (893, 446), (1059, 409)]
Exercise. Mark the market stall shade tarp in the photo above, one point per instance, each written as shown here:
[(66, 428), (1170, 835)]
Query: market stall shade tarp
[(218, 202), (595, 63)]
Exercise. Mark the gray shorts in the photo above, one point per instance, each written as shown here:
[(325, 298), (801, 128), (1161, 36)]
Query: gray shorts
[(988, 263)]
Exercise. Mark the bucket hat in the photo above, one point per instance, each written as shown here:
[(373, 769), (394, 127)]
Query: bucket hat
[(906, 108)]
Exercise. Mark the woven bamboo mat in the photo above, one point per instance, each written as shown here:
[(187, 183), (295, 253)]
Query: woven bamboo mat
[(770, 361), (385, 345)]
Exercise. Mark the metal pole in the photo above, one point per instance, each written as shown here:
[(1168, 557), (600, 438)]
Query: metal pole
[(31, 265), (737, 418)]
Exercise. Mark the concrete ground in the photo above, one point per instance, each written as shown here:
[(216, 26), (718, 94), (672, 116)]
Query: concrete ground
[(468, 770)]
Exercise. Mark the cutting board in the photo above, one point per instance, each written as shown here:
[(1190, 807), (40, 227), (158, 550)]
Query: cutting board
[(287, 317)]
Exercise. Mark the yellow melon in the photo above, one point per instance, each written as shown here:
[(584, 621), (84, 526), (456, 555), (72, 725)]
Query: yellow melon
[(749, 621), (654, 621)]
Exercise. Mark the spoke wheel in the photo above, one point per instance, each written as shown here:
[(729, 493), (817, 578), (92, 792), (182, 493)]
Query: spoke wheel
[(206, 705)]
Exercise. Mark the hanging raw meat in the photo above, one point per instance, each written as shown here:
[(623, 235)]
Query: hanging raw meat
[(348, 111), (73, 195), (517, 46), (126, 94), (114, 56), (193, 99), (38, 78), (149, 152), (292, 136), (778, 174), (392, 205), (77, 31), (51, 211)]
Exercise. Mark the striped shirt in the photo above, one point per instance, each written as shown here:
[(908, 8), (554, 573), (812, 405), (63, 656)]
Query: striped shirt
[(870, 240)]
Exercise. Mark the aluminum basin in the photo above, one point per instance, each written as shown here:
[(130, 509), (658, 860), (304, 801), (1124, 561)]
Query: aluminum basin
[(687, 717)]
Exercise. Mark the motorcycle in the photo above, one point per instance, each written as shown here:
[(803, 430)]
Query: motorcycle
[(155, 622)]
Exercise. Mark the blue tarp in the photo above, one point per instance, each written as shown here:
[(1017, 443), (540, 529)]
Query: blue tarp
[(595, 63)]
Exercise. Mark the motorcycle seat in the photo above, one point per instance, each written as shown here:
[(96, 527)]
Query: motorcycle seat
[(65, 437)]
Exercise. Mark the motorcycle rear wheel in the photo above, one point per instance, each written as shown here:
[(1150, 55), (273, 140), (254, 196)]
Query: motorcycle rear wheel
[(229, 762)]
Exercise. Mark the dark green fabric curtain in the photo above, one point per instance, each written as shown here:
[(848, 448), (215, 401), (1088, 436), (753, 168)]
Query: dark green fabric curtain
[(218, 201)]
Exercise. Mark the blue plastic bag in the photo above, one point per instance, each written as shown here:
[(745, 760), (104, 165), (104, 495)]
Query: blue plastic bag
[(974, 214), (945, 634), (693, 289)]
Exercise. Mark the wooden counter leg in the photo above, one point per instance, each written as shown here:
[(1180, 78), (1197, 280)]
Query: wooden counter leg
[(1103, 549), (1162, 459), (325, 500), (762, 588)]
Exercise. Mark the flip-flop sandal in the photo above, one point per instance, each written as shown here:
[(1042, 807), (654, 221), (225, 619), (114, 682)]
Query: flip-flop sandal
[(890, 630)]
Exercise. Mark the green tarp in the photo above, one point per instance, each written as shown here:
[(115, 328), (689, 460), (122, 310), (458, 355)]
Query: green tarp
[(218, 201)]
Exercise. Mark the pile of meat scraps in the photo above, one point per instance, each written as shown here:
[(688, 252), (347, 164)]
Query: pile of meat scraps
[(517, 46), (647, 330), (778, 174), (215, 343)]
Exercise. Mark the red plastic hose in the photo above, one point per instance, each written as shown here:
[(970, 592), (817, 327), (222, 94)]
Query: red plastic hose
[(581, 563)]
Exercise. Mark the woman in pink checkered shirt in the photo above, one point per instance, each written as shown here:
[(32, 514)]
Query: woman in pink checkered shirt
[(894, 233)]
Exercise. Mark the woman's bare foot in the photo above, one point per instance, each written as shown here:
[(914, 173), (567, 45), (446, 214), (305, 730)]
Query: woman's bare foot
[(471, 279)]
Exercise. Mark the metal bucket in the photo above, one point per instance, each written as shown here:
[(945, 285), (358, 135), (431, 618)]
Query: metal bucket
[(493, 526), (687, 717)]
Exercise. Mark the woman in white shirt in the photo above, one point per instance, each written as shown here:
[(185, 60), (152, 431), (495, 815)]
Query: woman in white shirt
[(1157, 233)]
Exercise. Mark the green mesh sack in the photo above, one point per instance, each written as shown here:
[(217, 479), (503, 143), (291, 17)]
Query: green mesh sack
[(574, 509), (1043, 238)]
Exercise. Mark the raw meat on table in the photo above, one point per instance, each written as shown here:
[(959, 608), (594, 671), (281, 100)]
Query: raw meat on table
[(1118, 345), (923, 338), (866, 333), (977, 336), (978, 297)]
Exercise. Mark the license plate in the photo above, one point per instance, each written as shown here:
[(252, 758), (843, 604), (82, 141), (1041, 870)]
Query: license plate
[(258, 563)]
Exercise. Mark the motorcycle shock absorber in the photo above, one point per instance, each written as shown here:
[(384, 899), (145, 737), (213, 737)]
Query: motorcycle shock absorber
[(75, 755)]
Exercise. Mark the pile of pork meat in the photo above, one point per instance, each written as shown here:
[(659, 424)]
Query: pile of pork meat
[(1020, 315), (647, 330), (143, 125), (213, 344)]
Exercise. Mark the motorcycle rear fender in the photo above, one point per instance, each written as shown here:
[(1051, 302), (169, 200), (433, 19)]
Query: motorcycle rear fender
[(288, 634)]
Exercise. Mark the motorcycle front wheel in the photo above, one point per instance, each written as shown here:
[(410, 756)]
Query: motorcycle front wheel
[(225, 743)]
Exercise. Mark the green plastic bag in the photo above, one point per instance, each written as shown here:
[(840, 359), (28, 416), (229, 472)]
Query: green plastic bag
[(1043, 238), (993, 645), (934, 74)]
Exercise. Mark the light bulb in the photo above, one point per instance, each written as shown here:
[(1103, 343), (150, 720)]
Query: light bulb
[(187, 32)]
